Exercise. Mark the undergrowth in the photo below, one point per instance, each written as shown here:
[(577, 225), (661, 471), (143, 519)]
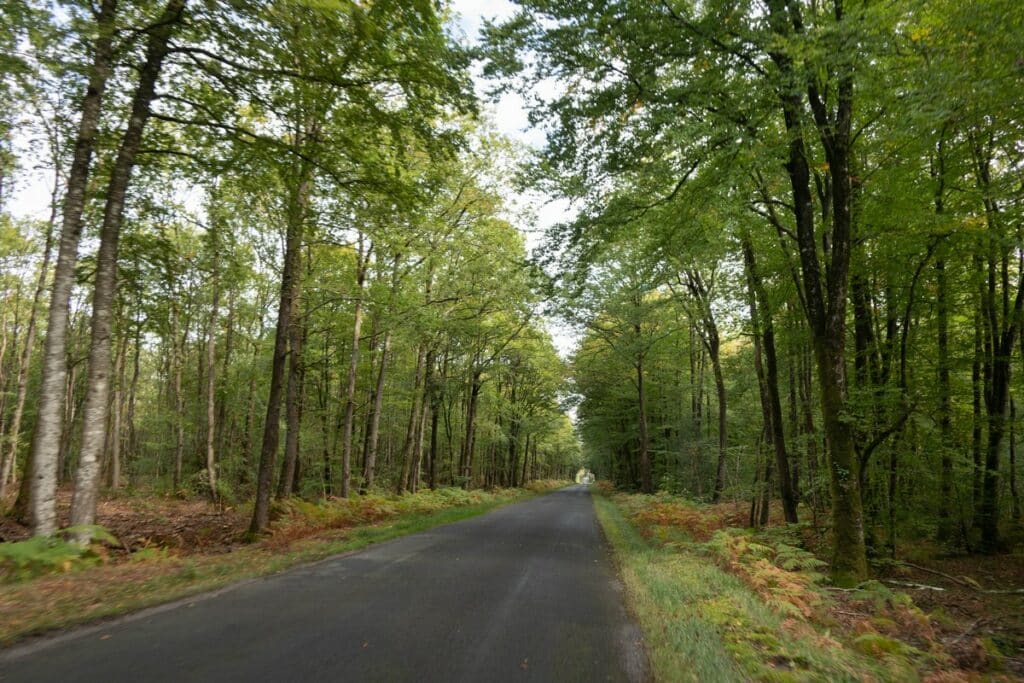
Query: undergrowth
[(294, 519), (726, 604), (41, 555)]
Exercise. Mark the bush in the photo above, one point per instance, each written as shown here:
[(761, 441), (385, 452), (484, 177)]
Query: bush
[(55, 554)]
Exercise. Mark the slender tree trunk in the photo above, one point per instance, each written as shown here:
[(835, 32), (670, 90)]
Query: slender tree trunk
[(513, 434), (133, 439), (178, 350), (414, 419), (211, 388), (289, 289), (768, 373), (435, 414), (353, 367), (1014, 495), (115, 426), (97, 404), (373, 433), (222, 380), (526, 461), (425, 409), (50, 412), (708, 328), (946, 527), (468, 446), (293, 401), (646, 481)]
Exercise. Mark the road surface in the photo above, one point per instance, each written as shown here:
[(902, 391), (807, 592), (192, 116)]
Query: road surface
[(524, 593)]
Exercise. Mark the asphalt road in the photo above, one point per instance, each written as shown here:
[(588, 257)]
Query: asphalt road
[(524, 593)]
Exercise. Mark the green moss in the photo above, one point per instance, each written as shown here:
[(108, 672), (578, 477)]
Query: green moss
[(876, 644)]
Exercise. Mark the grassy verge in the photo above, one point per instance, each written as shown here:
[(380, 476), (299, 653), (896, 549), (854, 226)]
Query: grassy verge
[(704, 620), (303, 533)]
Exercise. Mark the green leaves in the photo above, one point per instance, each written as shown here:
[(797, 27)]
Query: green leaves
[(41, 555)]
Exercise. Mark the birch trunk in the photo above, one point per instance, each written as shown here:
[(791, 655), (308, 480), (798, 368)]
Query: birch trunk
[(97, 405), (49, 422)]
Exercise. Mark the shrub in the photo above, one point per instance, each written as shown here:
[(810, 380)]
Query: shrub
[(43, 555)]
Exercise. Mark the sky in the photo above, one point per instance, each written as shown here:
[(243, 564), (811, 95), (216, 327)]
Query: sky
[(510, 118), (31, 198)]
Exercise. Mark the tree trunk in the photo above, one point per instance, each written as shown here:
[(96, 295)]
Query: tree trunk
[(372, 435), (826, 316), (646, 481), (945, 530), (1014, 495), (211, 388), (414, 419), (513, 435), (50, 412), (293, 400), (115, 426), (768, 373), (97, 403), (178, 351), (289, 289), (466, 459), (353, 367), (425, 408), (133, 439), (223, 428)]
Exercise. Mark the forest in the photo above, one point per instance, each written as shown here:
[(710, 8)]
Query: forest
[(797, 261), (269, 268), (284, 256)]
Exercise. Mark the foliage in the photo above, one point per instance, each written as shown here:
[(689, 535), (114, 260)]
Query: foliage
[(41, 555)]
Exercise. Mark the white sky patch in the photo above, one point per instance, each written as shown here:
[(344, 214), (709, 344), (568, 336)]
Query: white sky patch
[(509, 115)]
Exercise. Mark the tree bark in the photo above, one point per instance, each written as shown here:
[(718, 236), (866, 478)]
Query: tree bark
[(177, 362), (414, 418), (115, 422), (708, 329), (768, 375), (946, 527), (826, 310), (293, 400), (646, 481), (50, 412), (97, 403), (353, 367), (468, 445), (289, 288), (373, 434), (211, 388)]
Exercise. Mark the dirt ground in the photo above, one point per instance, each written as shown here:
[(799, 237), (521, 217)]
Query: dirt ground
[(141, 521)]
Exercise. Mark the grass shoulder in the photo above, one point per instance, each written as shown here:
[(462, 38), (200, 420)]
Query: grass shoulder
[(727, 604)]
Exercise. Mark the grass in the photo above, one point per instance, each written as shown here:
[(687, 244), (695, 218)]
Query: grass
[(703, 623), (305, 533)]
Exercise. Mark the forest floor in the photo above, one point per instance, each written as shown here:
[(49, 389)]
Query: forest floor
[(162, 549), (714, 597)]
